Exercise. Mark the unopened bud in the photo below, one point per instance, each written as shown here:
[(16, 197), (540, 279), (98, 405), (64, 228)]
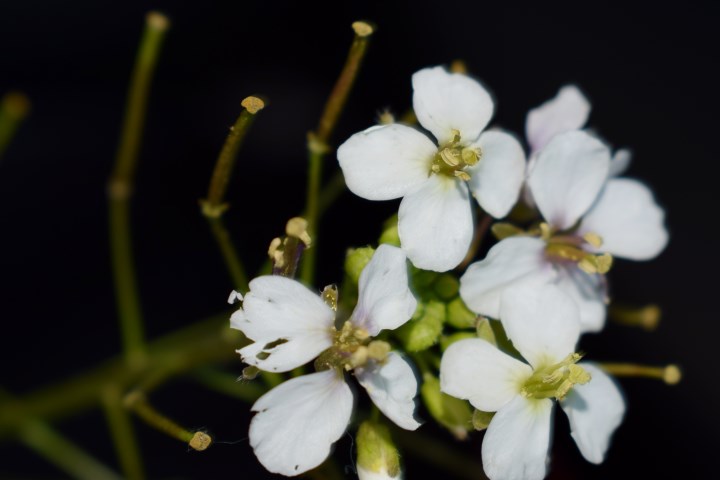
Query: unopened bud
[(377, 456)]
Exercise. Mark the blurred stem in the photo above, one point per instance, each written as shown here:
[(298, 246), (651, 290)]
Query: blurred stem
[(123, 434), (230, 385), (121, 184), (14, 107), (478, 237), (332, 190), (214, 205), (205, 343), (60, 451), (318, 140)]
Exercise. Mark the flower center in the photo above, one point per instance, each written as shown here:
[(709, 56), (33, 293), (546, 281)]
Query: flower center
[(453, 159), (556, 380), (568, 246), (352, 348)]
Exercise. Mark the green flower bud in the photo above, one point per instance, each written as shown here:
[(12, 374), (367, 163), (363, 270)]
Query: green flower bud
[(459, 316), (447, 340), (376, 452), (389, 234), (452, 413), (484, 330), (481, 420), (424, 329), (355, 261), (446, 286)]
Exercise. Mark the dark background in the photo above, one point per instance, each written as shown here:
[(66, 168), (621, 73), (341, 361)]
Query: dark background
[(650, 73)]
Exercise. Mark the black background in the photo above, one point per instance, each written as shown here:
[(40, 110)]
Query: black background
[(650, 72)]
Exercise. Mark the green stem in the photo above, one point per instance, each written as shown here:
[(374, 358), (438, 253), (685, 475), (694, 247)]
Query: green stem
[(123, 434), (64, 454), (14, 107), (332, 190), (206, 343), (120, 188), (225, 383), (232, 260), (317, 141)]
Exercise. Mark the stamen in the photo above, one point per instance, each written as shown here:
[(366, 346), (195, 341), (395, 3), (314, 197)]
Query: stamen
[(455, 136), (502, 230), (593, 239), (330, 296), (556, 380), (596, 263), (464, 176), (470, 155), (450, 157), (647, 317), (669, 374)]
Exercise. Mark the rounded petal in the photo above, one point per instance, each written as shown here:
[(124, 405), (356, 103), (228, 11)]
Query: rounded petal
[(473, 369), (435, 224), (496, 180), (444, 102), (299, 420), (589, 293), (542, 322), (568, 176), (595, 410), (517, 442), (385, 162), (569, 110), (286, 320), (392, 387), (620, 162), (512, 261), (384, 299), (628, 219)]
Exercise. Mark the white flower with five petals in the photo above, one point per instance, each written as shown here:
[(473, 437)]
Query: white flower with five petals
[(543, 326), (435, 221), (298, 421), (586, 213)]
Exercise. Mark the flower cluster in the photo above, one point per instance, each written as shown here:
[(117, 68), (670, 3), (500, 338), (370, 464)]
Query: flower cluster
[(520, 310)]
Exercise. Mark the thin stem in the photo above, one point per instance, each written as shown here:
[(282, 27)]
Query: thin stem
[(330, 192), (64, 454), (232, 259), (225, 383), (317, 141), (120, 188), (670, 374), (478, 237), (14, 107), (205, 343), (138, 403), (123, 434)]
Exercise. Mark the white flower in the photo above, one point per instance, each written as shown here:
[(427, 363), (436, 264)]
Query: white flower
[(517, 441), (435, 221), (586, 213), (298, 421)]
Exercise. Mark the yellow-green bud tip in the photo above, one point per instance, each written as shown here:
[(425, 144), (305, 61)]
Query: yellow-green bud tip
[(200, 441), (253, 104), (157, 21), (672, 375), (16, 104), (362, 29)]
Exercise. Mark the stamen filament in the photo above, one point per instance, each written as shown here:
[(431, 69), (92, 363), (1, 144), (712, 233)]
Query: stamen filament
[(647, 317), (669, 374)]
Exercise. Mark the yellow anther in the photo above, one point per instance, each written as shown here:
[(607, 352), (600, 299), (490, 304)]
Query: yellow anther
[(253, 104), (330, 296), (556, 380), (358, 358), (604, 263), (386, 117), (596, 263), (458, 66), (455, 136), (275, 252), (435, 168), (464, 176), (378, 350), (297, 227), (669, 374), (362, 29), (200, 441), (647, 317), (545, 231), (593, 239), (672, 375), (450, 156), (470, 155)]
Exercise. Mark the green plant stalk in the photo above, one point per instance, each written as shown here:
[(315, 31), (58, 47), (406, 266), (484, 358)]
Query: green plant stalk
[(14, 107), (227, 384), (231, 258), (64, 454), (122, 433), (120, 189), (317, 141)]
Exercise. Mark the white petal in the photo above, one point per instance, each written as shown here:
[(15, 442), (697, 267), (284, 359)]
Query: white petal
[(382, 163), (299, 420), (474, 370), (517, 442), (496, 180), (392, 386), (542, 322), (595, 410), (381, 475), (569, 110), (278, 308), (620, 162), (385, 300), (450, 101), (589, 293), (435, 223), (235, 296), (568, 176), (628, 219), (513, 261)]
